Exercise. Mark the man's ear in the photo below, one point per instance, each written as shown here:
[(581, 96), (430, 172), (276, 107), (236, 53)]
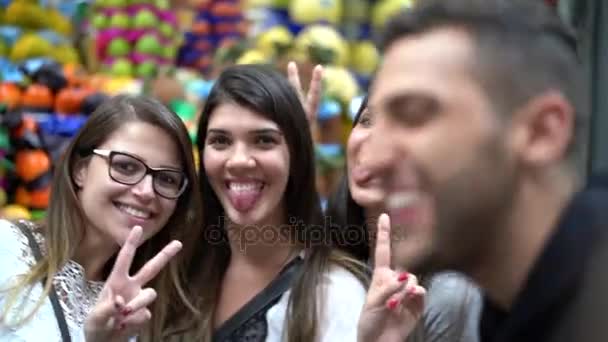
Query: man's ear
[(79, 174), (543, 129)]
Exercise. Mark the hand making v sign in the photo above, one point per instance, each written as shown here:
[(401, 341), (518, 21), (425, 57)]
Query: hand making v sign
[(312, 99), (122, 306), (395, 301)]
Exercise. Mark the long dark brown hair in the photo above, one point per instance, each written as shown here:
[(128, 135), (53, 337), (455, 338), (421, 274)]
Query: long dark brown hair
[(265, 91), (346, 216), (63, 228)]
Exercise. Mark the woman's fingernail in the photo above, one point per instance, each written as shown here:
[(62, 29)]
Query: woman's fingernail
[(403, 276), (392, 304), (126, 311)]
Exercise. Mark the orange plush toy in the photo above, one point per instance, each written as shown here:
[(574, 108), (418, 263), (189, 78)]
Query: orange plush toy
[(38, 98), (32, 166)]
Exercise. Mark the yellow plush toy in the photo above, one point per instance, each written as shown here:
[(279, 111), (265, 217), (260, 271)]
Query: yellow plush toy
[(26, 14), (15, 212), (322, 37), (314, 11), (340, 84), (66, 54), (58, 22), (30, 45), (252, 57), (274, 39), (385, 9), (364, 57)]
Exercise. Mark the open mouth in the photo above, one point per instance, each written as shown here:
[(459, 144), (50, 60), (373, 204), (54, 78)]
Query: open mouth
[(402, 206), (402, 199), (134, 212), (244, 195)]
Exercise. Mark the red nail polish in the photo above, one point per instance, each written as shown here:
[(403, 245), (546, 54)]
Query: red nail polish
[(392, 304), (126, 311), (403, 276)]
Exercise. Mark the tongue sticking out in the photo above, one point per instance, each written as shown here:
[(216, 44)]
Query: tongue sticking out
[(244, 200)]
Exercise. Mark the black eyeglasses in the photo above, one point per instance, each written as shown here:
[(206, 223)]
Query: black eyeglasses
[(126, 169)]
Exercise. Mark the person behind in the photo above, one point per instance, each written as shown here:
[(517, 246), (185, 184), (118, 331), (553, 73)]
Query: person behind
[(261, 272), (451, 304), (479, 133), (126, 182)]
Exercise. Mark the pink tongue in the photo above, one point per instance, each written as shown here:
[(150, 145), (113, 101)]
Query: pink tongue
[(243, 200)]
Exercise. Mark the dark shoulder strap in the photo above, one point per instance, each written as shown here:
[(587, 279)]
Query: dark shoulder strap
[(275, 290), (63, 326)]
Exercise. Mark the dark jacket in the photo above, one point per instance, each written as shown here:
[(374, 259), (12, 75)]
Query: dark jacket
[(565, 297)]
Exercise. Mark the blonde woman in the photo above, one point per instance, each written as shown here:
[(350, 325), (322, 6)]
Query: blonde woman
[(105, 264)]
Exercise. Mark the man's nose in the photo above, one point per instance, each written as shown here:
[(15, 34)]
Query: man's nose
[(379, 152)]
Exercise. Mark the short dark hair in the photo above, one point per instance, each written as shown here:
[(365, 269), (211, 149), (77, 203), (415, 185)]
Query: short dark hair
[(523, 48)]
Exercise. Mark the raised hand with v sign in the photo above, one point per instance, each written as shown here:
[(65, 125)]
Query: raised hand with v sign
[(395, 301), (312, 99), (121, 310)]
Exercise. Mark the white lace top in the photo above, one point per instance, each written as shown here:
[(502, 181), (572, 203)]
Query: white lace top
[(77, 296)]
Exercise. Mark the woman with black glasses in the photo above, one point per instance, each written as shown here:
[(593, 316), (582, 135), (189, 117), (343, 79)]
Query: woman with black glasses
[(104, 265)]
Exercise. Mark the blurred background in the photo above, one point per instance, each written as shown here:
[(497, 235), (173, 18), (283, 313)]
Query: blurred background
[(60, 59)]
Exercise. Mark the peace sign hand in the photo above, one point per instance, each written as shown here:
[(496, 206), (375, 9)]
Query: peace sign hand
[(310, 101), (121, 309), (395, 301)]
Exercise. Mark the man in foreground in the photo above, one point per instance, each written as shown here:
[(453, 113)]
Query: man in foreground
[(480, 110)]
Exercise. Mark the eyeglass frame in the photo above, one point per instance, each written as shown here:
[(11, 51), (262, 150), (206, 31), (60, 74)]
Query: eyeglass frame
[(108, 154)]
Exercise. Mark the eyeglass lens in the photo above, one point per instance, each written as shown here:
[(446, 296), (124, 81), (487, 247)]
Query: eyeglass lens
[(128, 170)]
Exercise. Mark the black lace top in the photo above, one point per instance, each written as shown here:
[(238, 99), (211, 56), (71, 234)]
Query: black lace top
[(254, 329)]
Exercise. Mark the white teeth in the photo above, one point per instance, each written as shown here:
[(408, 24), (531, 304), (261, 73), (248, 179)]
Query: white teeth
[(401, 199), (134, 212), (245, 186)]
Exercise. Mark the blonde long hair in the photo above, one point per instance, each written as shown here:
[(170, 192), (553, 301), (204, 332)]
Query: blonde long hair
[(63, 227)]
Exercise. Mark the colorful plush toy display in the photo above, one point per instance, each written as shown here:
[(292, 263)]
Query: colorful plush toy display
[(5, 165), (33, 29), (56, 69), (334, 33), (216, 22), (306, 12), (383, 10), (32, 164), (40, 116), (135, 38)]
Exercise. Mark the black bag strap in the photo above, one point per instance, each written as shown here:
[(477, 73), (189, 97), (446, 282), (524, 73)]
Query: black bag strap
[(273, 291), (61, 322)]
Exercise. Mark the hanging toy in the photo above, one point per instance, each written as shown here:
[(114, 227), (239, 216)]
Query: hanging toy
[(32, 162), (386, 9), (321, 44), (306, 12)]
